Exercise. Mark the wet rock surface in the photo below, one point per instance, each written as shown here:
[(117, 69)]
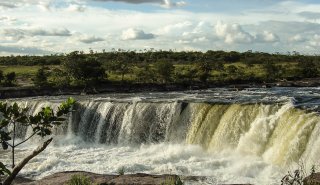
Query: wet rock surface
[(99, 179), (313, 179)]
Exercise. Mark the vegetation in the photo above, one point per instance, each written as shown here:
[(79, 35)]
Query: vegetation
[(172, 181), (79, 180), (121, 171), (160, 67), (299, 176), (42, 124)]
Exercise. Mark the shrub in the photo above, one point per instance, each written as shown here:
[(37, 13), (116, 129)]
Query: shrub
[(79, 180), (121, 171), (172, 181)]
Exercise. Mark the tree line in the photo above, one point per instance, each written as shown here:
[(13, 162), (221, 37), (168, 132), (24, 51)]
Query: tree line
[(163, 67), (150, 56)]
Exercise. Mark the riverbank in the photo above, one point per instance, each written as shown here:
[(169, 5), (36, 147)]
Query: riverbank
[(62, 178), (20, 92)]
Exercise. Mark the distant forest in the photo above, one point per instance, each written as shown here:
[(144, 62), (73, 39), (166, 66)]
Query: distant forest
[(155, 67)]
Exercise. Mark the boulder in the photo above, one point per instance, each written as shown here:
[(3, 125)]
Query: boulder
[(313, 179)]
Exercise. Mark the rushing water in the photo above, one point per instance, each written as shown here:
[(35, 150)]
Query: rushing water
[(250, 136)]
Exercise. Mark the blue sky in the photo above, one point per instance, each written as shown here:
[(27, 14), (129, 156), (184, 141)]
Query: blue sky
[(37, 27)]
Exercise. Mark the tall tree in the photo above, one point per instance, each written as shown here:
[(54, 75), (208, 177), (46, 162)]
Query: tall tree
[(10, 79), (164, 70)]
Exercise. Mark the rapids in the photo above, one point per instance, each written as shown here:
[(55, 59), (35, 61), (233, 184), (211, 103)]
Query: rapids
[(250, 136)]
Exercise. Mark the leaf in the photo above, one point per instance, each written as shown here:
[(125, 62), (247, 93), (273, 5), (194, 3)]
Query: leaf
[(47, 111), (4, 170), (4, 145), (4, 123)]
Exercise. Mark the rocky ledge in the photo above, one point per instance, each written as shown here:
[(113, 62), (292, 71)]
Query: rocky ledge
[(313, 179), (63, 178)]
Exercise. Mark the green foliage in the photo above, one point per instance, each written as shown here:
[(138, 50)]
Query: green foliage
[(4, 170), (121, 170), (145, 74), (272, 71), (42, 123), (41, 78), (1, 76), (307, 69), (9, 79), (60, 78), (83, 70), (204, 70), (172, 181), (79, 180), (164, 70)]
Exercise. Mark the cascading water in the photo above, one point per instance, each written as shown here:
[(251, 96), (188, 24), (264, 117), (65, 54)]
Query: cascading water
[(231, 142)]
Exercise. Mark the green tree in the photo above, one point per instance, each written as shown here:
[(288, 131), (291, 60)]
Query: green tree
[(42, 124), (10, 79), (121, 67), (1, 76), (204, 70), (145, 74), (272, 71), (82, 69), (164, 70), (60, 78), (41, 79), (307, 69)]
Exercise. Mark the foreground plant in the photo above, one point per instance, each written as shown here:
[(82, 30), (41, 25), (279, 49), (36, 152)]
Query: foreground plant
[(42, 124), (79, 180)]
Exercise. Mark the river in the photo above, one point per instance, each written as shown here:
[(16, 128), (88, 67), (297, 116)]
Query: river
[(248, 136)]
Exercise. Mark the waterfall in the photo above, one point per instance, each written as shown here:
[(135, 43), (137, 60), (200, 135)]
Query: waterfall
[(278, 133)]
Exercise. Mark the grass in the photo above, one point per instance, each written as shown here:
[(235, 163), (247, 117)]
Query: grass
[(79, 180), (172, 181), (121, 171)]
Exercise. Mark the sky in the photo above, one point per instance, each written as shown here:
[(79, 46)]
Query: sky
[(42, 27)]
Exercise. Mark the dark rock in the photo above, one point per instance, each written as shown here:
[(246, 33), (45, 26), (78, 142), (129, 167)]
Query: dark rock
[(99, 179), (313, 179)]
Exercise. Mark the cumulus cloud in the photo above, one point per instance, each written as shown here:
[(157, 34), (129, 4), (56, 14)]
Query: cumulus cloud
[(163, 3), (21, 33), (310, 15), (136, 34), (21, 50), (315, 42), (297, 38), (267, 36), (88, 39), (76, 8), (7, 5), (7, 19), (232, 33)]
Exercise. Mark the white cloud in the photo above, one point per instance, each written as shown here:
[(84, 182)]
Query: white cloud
[(297, 38), (88, 39), (267, 36), (232, 33), (136, 34), (170, 4), (315, 42), (20, 33), (41, 23), (163, 3), (76, 8)]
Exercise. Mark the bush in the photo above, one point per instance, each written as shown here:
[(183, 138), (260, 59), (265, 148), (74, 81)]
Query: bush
[(79, 180), (121, 171), (172, 181)]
